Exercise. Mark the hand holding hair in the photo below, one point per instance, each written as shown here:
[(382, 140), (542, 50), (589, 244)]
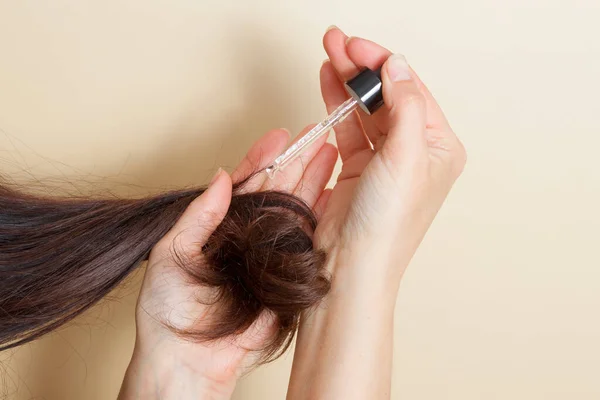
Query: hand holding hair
[(226, 275), (222, 321)]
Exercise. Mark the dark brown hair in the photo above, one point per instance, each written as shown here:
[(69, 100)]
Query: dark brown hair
[(59, 256)]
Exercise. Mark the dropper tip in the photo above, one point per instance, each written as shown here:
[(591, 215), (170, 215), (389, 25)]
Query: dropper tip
[(270, 170)]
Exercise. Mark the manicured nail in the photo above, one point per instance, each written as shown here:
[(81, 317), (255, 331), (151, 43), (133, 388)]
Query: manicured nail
[(216, 177), (397, 68), (331, 27)]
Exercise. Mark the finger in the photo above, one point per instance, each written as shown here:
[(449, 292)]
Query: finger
[(349, 134), (317, 175), (260, 155), (253, 340), (334, 43), (202, 216), (407, 113), (286, 179), (321, 204), (258, 334), (236, 355), (369, 54)]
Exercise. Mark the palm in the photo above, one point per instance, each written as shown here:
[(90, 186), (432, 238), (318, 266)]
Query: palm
[(167, 297)]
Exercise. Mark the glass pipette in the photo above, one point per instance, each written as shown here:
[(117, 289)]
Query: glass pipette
[(365, 91)]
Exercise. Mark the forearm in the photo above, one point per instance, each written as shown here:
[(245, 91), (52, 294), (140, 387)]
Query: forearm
[(344, 348)]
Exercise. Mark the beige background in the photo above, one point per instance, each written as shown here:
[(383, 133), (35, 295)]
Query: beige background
[(502, 300)]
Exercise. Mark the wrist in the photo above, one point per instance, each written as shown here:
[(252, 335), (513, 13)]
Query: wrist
[(166, 373), (371, 265)]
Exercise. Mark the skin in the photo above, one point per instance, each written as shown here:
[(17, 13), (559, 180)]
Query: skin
[(164, 366), (398, 167), (377, 214)]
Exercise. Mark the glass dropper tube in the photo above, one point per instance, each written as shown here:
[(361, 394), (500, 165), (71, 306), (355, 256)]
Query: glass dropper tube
[(309, 138), (365, 91)]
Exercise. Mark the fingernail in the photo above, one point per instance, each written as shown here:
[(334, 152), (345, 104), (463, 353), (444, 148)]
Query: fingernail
[(287, 131), (397, 68), (331, 27), (350, 38), (325, 61), (216, 177)]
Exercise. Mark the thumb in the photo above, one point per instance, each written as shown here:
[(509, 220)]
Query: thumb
[(407, 109), (204, 214)]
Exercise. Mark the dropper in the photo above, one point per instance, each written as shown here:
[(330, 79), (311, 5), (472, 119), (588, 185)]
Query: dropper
[(365, 91)]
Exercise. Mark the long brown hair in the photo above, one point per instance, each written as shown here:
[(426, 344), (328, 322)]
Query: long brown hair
[(59, 256)]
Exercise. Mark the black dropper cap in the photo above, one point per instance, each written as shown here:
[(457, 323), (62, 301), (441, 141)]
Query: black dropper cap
[(367, 88)]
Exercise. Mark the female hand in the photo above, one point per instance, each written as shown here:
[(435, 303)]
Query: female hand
[(398, 167), (166, 366)]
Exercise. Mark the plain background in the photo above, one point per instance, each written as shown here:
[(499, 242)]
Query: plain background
[(133, 96)]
